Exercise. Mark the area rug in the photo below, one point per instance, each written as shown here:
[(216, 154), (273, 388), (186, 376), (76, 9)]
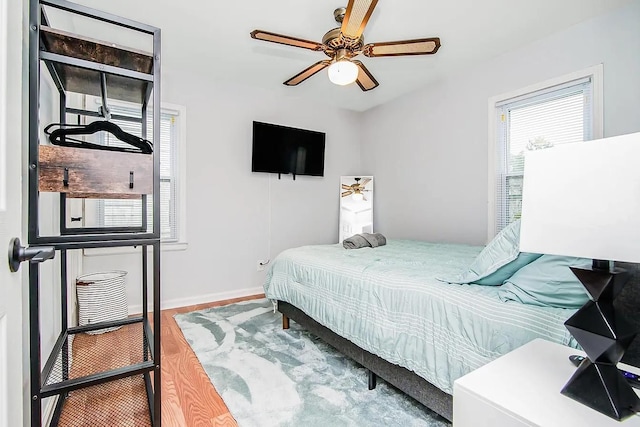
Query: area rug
[(268, 376)]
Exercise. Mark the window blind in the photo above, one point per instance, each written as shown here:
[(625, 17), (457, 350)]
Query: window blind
[(128, 212), (546, 118)]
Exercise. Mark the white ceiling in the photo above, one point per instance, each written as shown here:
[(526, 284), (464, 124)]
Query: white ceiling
[(211, 39)]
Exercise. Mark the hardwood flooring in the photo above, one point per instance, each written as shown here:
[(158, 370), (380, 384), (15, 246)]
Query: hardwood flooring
[(188, 397)]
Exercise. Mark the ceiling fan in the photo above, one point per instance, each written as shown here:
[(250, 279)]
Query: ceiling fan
[(357, 189), (344, 43)]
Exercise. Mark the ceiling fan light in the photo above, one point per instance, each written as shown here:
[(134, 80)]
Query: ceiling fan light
[(358, 197), (343, 72)]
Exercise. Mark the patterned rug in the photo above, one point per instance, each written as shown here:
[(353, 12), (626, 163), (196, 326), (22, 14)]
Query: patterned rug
[(268, 376)]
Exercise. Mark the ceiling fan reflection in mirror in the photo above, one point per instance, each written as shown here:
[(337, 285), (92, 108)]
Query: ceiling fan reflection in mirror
[(344, 43), (357, 189)]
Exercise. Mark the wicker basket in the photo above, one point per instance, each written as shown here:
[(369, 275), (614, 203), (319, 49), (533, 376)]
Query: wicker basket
[(102, 297)]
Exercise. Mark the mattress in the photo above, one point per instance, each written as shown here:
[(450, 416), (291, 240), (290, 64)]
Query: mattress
[(388, 301)]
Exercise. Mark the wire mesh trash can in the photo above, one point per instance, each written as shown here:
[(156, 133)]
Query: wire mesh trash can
[(102, 297)]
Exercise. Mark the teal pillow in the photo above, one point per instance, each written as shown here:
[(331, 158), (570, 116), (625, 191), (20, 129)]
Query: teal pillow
[(497, 261), (548, 282)]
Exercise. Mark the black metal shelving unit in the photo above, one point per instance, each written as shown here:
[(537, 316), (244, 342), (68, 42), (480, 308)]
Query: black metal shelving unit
[(85, 66)]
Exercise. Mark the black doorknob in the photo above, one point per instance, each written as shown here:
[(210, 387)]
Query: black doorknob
[(36, 254)]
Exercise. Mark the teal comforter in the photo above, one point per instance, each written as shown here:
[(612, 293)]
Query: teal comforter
[(388, 301)]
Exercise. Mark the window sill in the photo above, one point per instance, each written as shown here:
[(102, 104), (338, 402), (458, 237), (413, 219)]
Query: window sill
[(121, 250)]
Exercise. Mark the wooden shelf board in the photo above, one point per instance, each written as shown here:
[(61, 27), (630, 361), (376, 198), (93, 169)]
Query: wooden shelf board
[(87, 81)]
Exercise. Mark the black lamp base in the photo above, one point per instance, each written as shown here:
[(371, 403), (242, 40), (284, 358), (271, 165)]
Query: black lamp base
[(604, 335), (603, 388)]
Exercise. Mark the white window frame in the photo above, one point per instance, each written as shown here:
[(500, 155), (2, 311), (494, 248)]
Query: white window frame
[(181, 190), (596, 75)]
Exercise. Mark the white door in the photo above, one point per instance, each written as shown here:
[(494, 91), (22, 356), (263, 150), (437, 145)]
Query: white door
[(11, 341), (10, 323)]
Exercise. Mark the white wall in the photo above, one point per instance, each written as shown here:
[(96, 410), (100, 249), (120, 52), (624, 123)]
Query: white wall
[(428, 150), (228, 207)]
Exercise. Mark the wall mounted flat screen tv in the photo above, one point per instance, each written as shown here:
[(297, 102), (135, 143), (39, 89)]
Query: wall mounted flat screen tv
[(280, 149)]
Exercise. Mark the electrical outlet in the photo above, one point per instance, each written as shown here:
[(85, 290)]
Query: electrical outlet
[(260, 265)]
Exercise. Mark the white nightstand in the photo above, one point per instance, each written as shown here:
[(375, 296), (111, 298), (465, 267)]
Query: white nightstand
[(522, 388)]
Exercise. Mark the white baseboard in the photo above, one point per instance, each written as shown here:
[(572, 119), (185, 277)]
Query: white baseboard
[(201, 299)]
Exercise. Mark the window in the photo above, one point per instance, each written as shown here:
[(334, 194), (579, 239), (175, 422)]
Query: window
[(559, 113), (128, 212)]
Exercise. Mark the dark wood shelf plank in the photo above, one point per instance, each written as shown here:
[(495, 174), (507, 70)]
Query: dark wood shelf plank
[(76, 78), (94, 173), (75, 46)]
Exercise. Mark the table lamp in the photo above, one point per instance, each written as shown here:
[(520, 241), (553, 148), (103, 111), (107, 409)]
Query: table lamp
[(583, 200)]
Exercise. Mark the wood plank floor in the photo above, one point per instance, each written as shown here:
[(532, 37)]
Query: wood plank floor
[(188, 397)]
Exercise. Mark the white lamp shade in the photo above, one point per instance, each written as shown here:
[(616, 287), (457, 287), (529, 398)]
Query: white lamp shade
[(357, 196), (343, 72), (583, 199)]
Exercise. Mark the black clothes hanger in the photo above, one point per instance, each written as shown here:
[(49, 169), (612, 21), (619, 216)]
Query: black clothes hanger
[(60, 136)]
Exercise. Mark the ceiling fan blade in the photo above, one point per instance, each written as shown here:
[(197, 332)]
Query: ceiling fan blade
[(404, 47), (305, 74), (346, 193), (356, 17), (365, 182), (345, 187), (365, 80), (286, 40)]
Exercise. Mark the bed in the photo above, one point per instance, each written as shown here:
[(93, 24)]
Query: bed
[(385, 308)]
